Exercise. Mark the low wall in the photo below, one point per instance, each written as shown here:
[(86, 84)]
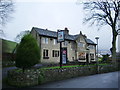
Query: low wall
[(65, 73), (18, 78), (40, 76)]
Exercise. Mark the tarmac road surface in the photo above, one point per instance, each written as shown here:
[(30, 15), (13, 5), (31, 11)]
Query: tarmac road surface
[(106, 80)]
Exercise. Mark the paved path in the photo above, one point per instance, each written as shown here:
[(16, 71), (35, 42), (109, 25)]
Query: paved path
[(106, 80), (5, 70)]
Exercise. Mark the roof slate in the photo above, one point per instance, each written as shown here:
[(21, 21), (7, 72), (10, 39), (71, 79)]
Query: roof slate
[(45, 32), (89, 41)]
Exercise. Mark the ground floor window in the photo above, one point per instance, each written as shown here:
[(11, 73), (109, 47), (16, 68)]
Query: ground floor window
[(55, 53), (45, 54), (92, 56), (82, 56)]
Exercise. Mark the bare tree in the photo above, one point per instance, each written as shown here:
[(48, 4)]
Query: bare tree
[(6, 8), (104, 12), (21, 35)]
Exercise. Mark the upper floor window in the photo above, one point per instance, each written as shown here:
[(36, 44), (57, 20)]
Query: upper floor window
[(54, 41), (44, 40), (81, 44), (73, 45), (65, 43)]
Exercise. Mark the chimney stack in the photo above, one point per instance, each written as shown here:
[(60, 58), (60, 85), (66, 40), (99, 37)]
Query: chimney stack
[(66, 31)]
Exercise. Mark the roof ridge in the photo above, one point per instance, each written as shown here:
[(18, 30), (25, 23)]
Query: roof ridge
[(44, 29)]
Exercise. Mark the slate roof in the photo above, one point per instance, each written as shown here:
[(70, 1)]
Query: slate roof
[(48, 33), (90, 41)]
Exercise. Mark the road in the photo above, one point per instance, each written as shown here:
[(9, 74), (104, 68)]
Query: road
[(106, 80)]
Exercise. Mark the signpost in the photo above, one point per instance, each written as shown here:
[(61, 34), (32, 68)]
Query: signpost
[(60, 39)]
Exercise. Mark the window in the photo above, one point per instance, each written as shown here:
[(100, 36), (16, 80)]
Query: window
[(82, 56), (92, 56), (45, 54), (81, 44), (65, 43), (55, 41), (91, 47), (44, 40), (55, 53), (72, 46)]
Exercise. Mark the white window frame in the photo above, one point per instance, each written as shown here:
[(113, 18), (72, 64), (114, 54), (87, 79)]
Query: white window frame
[(80, 44), (90, 56), (54, 41), (65, 43), (55, 53), (44, 40), (45, 54)]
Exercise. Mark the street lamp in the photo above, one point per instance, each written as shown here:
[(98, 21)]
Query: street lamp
[(97, 53)]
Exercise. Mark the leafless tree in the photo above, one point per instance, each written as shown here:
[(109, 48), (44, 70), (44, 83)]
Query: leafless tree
[(104, 12), (21, 35), (6, 8)]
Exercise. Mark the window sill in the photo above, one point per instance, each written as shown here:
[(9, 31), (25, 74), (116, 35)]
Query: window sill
[(45, 57)]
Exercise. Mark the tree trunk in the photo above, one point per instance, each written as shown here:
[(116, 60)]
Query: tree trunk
[(113, 49)]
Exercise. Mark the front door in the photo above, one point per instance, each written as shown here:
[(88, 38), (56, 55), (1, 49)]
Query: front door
[(64, 55)]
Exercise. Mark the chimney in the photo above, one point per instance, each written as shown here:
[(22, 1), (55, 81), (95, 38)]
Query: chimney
[(85, 36), (66, 31)]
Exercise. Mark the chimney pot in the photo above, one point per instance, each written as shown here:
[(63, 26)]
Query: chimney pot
[(66, 31)]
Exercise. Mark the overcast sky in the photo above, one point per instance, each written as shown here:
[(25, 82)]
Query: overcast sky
[(54, 15)]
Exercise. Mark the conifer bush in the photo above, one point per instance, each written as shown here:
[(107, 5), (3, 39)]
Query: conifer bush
[(27, 53)]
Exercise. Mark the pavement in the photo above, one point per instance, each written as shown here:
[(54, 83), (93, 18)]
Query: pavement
[(106, 80), (5, 70)]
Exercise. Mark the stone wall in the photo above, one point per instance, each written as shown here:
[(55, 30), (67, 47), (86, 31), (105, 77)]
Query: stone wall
[(18, 78), (40, 76), (65, 73)]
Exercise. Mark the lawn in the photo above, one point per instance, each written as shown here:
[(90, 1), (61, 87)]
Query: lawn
[(69, 66)]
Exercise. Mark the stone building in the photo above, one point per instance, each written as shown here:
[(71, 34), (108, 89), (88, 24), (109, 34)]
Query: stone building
[(77, 47)]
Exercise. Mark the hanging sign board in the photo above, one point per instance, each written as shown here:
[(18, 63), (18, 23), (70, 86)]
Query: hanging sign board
[(60, 36)]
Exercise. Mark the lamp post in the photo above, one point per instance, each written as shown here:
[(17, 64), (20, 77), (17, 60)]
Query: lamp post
[(97, 54)]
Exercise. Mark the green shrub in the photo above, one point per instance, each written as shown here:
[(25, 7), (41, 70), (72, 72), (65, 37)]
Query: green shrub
[(106, 58), (27, 53)]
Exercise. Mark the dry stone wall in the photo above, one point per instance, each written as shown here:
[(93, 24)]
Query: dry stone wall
[(40, 76)]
